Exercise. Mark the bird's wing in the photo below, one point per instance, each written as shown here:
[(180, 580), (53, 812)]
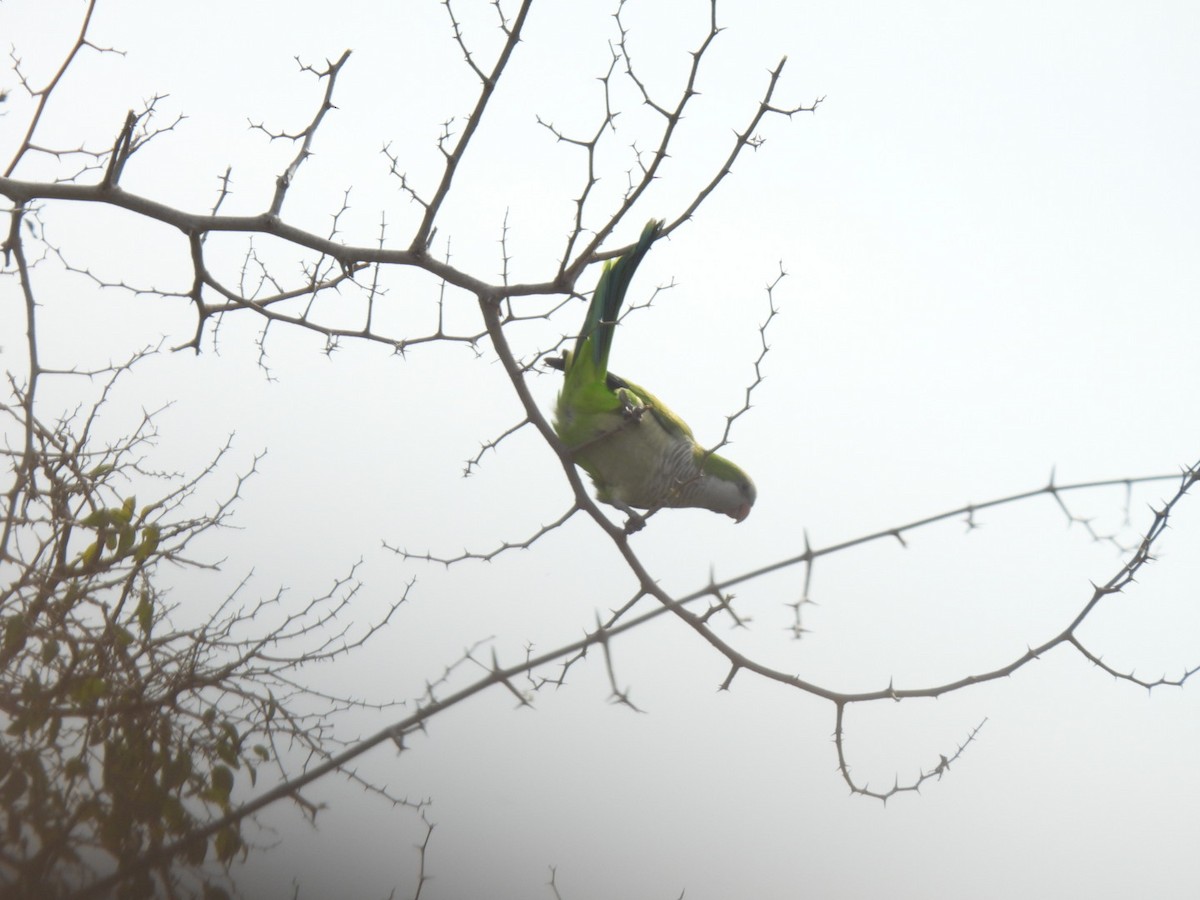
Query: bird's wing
[(670, 422), (609, 401)]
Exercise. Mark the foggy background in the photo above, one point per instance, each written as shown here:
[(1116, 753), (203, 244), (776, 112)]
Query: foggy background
[(989, 228)]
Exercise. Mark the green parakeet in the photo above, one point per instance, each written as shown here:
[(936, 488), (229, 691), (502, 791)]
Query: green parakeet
[(637, 452)]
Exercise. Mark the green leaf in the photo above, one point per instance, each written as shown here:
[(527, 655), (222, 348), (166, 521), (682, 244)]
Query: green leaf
[(97, 519), (145, 612), (228, 841), (125, 543), (125, 513), (222, 782), (228, 754), (150, 536), (177, 770), (88, 556), (174, 815), (89, 690), (261, 752), (15, 636)]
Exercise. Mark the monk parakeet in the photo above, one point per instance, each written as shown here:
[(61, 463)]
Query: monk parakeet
[(638, 453)]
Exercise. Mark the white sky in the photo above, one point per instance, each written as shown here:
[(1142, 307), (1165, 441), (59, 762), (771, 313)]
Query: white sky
[(990, 229)]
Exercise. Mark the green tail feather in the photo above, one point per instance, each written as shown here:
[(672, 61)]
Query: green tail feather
[(601, 320)]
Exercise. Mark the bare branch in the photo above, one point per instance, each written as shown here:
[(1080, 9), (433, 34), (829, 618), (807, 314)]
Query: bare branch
[(43, 94), (424, 233), (304, 137)]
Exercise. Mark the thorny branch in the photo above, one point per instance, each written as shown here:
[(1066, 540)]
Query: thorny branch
[(649, 586), (97, 679), (43, 94), (332, 272), (430, 706), (453, 158), (671, 117), (305, 137)]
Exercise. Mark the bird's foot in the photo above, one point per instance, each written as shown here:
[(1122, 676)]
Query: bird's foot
[(634, 523), (629, 409)]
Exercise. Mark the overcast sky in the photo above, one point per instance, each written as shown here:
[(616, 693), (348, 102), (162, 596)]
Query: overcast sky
[(990, 230)]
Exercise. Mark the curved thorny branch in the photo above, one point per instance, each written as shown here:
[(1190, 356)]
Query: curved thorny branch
[(739, 662), (70, 512)]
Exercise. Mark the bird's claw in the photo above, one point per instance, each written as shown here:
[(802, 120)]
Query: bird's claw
[(629, 409), (634, 523)]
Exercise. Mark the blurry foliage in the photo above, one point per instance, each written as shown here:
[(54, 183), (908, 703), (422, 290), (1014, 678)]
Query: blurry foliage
[(117, 737)]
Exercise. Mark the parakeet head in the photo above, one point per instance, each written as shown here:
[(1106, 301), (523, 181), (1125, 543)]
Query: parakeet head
[(726, 488)]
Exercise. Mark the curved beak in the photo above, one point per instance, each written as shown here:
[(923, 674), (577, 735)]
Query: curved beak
[(740, 513)]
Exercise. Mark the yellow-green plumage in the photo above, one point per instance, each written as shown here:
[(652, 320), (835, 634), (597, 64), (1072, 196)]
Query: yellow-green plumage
[(638, 453)]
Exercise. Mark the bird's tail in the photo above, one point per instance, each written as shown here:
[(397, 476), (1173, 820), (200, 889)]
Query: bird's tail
[(610, 294)]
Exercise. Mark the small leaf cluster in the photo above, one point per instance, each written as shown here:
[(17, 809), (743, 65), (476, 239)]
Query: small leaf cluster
[(113, 739)]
